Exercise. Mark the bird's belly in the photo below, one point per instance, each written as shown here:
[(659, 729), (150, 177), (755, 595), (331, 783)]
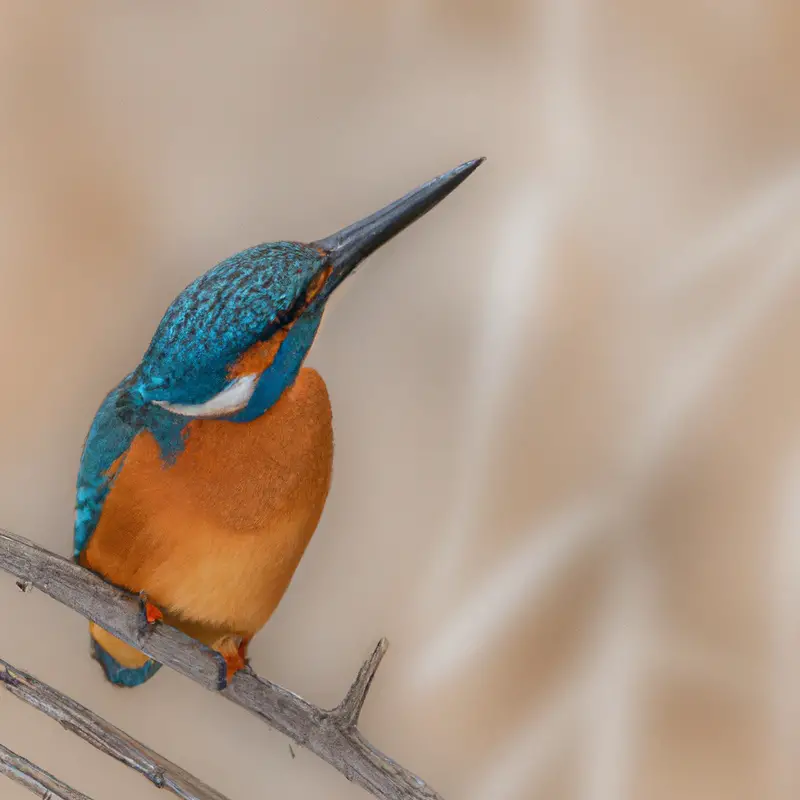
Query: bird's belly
[(215, 538), (230, 580)]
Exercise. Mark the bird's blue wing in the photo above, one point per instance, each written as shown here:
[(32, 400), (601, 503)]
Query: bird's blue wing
[(113, 429)]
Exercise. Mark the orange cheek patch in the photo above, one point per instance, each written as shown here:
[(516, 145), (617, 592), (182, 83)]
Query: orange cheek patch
[(258, 358), (317, 283)]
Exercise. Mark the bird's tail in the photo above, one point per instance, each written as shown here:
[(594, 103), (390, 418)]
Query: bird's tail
[(122, 664)]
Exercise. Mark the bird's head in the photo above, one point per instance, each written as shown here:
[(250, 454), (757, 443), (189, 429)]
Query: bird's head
[(235, 338)]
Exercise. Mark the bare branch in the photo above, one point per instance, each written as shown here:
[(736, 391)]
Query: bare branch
[(104, 736), (34, 778), (331, 735)]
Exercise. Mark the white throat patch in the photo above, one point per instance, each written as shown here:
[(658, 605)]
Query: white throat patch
[(234, 397)]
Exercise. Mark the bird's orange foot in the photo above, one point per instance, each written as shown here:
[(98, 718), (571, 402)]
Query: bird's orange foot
[(150, 613), (233, 664), (234, 650)]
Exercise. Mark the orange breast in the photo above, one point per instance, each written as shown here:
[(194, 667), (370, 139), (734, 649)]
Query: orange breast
[(215, 538)]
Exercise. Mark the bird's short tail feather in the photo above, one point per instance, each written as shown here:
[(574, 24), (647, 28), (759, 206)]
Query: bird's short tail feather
[(119, 675)]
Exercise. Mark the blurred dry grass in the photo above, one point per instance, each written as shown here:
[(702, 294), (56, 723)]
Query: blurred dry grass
[(565, 404)]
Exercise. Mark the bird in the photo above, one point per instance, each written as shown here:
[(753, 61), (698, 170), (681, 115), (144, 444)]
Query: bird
[(206, 469)]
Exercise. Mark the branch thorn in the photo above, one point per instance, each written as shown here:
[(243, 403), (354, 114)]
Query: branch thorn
[(349, 710)]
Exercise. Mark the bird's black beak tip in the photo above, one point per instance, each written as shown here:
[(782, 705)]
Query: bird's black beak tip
[(474, 163), (350, 246)]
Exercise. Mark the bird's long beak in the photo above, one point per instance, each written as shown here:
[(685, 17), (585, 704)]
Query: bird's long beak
[(347, 248)]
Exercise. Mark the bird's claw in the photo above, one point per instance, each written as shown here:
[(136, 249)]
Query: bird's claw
[(234, 650), (150, 614), (232, 665)]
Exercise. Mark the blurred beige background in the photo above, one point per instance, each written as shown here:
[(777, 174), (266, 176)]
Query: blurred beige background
[(567, 484)]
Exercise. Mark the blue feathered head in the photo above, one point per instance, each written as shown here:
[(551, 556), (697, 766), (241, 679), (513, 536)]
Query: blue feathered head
[(235, 338)]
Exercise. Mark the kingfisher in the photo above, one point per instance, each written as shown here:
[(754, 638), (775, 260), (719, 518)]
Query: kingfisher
[(206, 469)]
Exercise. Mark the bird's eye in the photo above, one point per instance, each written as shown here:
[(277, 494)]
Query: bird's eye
[(286, 318), (234, 397)]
